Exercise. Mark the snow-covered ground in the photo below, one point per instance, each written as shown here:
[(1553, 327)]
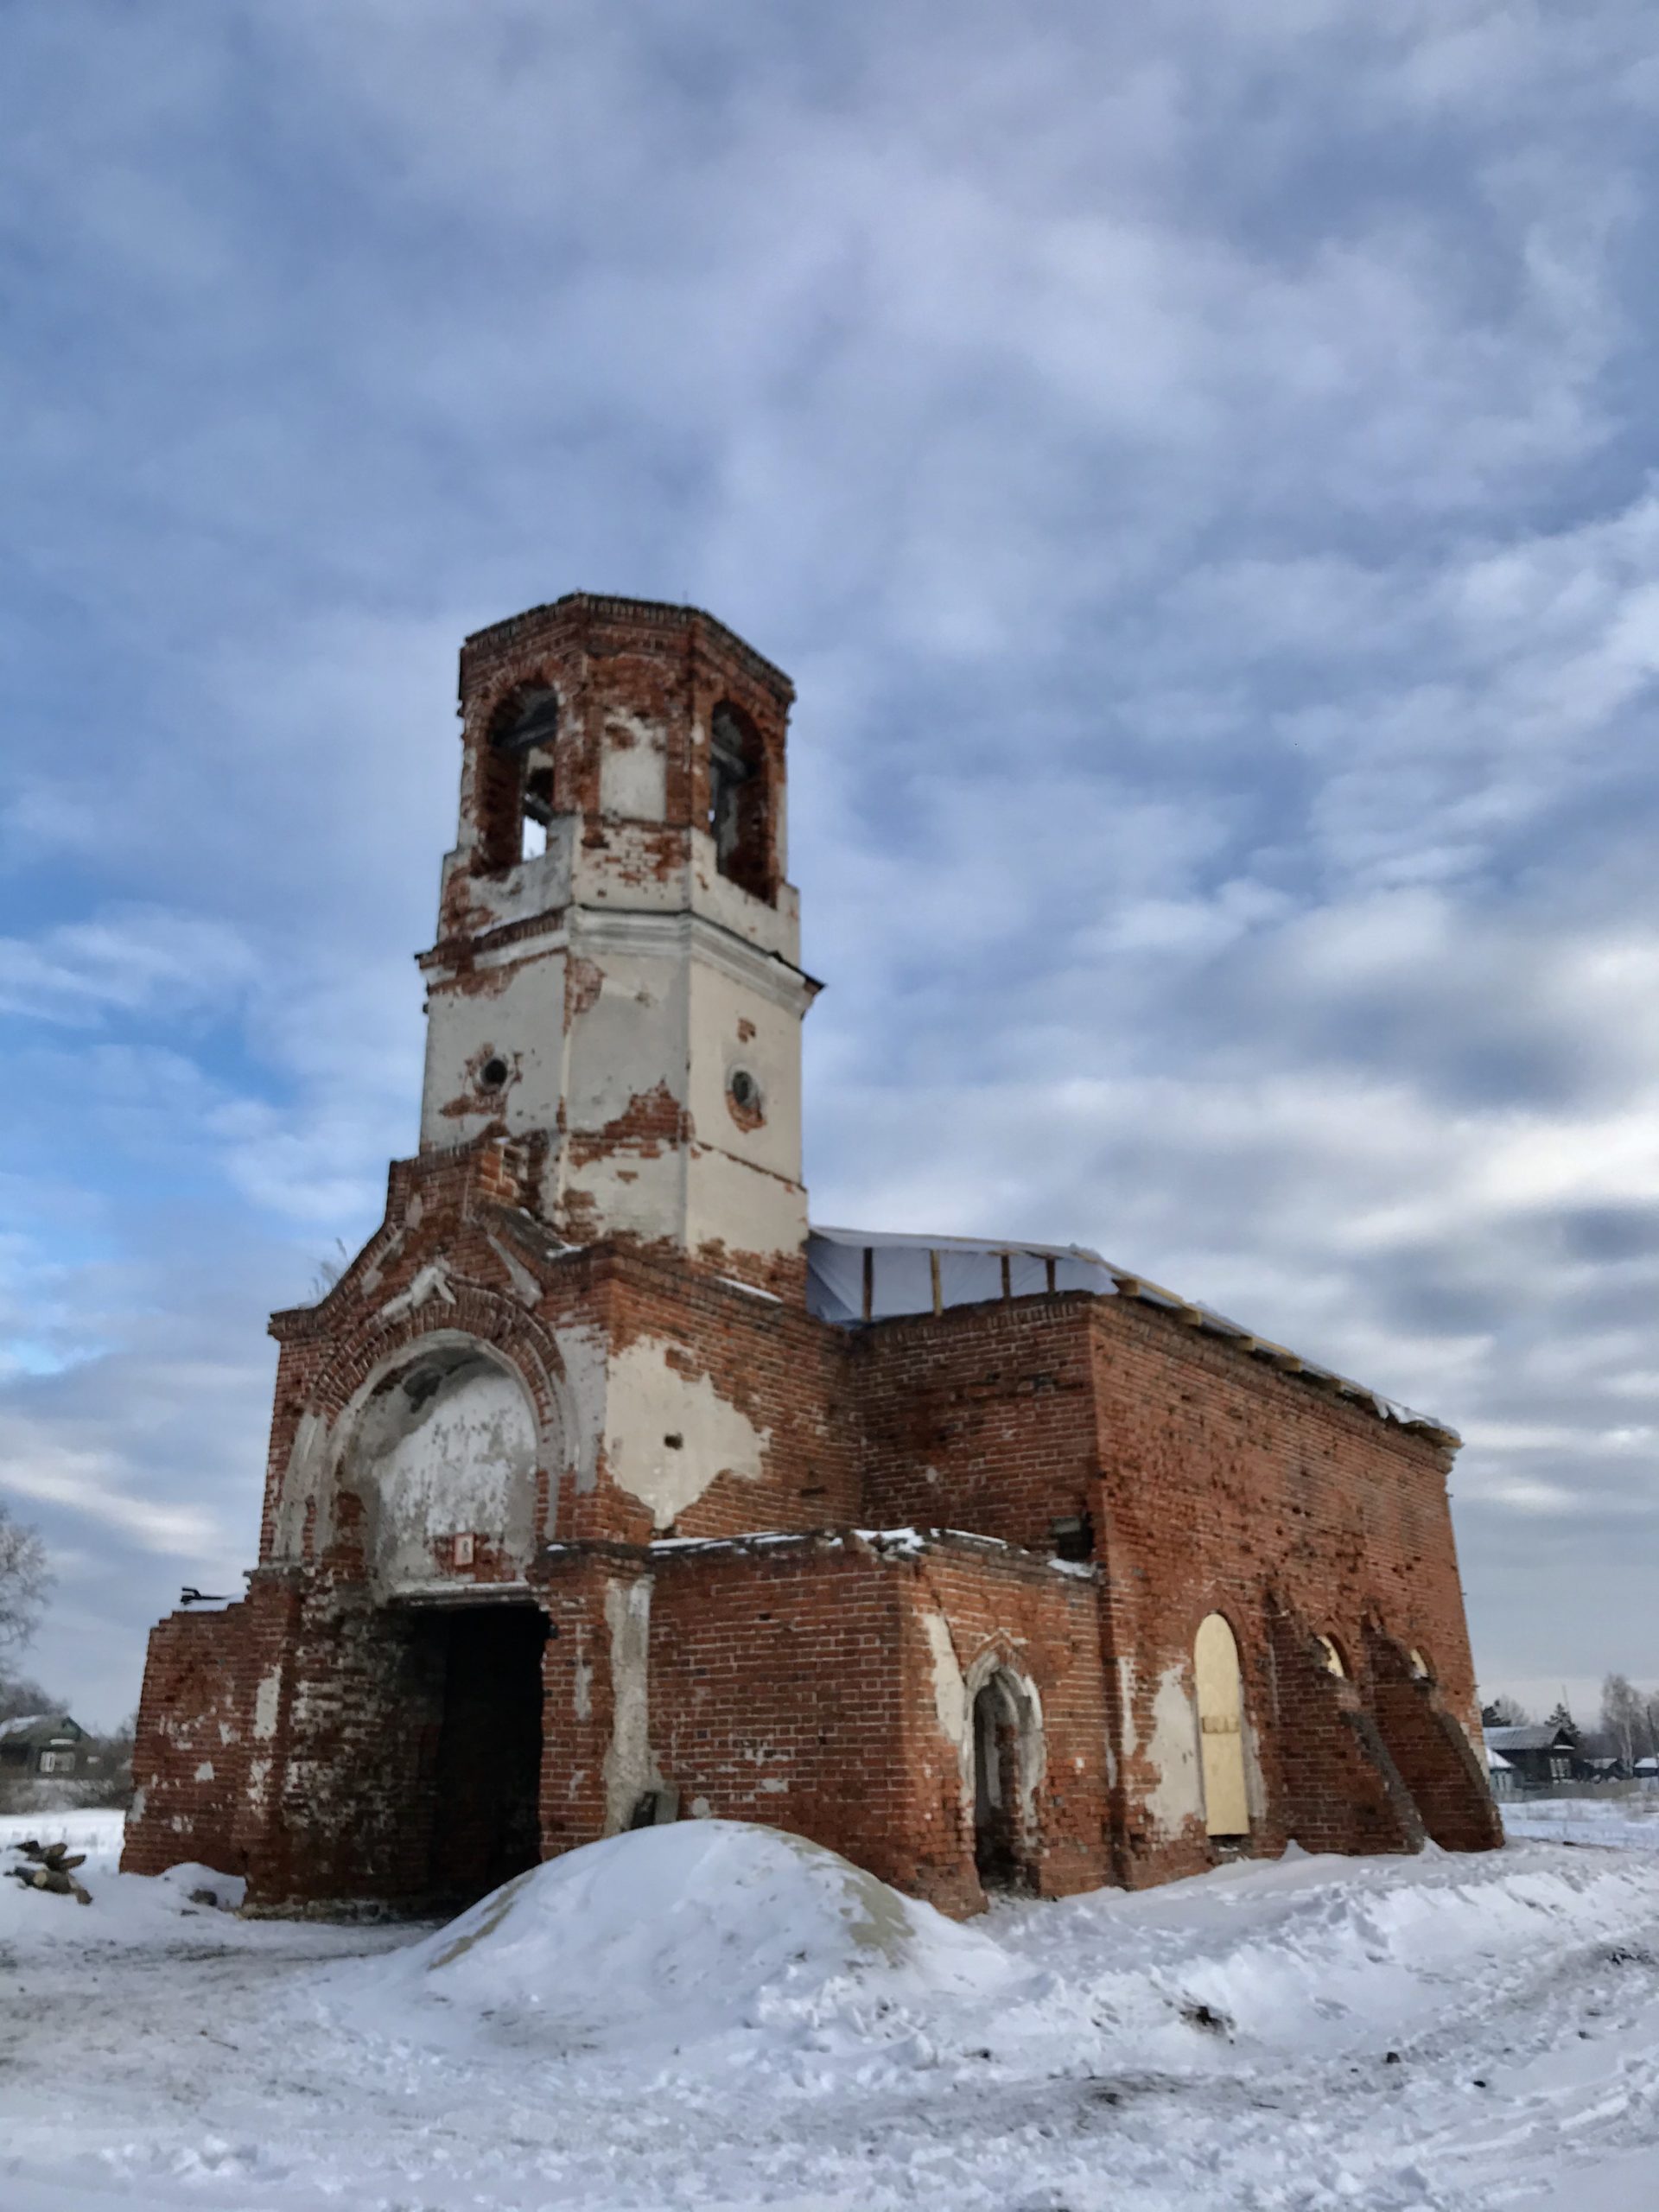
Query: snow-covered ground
[(1622, 1823), (714, 2015)]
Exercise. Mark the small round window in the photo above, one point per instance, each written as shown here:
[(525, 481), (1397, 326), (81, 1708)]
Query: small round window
[(744, 1099), (493, 1074)]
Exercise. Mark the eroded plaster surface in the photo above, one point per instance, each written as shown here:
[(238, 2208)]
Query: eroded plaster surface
[(514, 1013), (734, 1025), (629, 1769), (1173, 1751), (649, 1403), (633, 767), (583, 1352), (437, 1455)]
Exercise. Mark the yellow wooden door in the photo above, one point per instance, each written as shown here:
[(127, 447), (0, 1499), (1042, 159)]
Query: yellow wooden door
[(1221, 1728)]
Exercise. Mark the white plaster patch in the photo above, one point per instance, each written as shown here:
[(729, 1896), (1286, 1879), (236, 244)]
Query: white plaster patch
[(521, 1017), (1173, 1751), (584, 1352), (267, 1703), (648, 1402), (205, 1772), (582, 1686), (302, 1483), (460, 1458), (628, 1768), (740, 1207), (633, 768), (950, 1699)]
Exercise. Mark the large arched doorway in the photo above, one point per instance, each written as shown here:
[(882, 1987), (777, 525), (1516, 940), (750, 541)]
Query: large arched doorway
[(442, 1462), (1006, 1766), (1221, 1729)]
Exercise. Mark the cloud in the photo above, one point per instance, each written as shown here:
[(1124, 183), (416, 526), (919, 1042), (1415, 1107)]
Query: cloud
[(1191, 463)]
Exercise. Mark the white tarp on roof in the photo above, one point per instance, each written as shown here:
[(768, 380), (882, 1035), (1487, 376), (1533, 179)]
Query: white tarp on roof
[(970, 1271)]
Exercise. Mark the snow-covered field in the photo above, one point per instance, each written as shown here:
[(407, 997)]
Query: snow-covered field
[(1622, 1823), (714, 2015)]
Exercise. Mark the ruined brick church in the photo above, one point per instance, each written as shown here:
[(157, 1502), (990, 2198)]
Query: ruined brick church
[(604, 1491)]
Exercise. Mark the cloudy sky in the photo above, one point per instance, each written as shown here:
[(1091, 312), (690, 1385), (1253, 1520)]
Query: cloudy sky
[(1198, 464)]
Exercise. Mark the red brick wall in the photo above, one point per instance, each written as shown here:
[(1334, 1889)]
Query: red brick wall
[(670, 665), (1229, 1486), (1433, 1757), (342, 1809), (190, 1758), (777, 1694), (1337, 1788), (795, 1684), (980, 1418), (1044, 1626), (1214, 1482), (784, 1370)]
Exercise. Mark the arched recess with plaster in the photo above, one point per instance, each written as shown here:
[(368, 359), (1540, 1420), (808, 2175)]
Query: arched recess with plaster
[(455, 1420), (441, 1457), (1008, 1760), (1220, 1691)]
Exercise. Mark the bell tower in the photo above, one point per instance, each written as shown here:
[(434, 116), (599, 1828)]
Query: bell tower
[(616, 985)]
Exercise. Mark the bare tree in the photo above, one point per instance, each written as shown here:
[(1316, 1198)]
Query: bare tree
[(1624, 1717), (25, 1580), (1504, 1711)]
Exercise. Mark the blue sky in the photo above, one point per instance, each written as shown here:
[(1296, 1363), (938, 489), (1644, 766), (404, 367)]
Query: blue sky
[(1198, 465)]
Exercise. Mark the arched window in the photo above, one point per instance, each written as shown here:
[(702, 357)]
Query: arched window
[(1221, 1728), (1331, 1656), (740, 812), (1421, 1664), (517, 797)]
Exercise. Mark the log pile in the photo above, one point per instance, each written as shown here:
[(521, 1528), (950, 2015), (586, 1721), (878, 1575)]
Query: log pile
[(50, 1867)]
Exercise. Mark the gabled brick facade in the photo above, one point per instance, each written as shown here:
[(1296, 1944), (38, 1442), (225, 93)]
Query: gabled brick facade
[(578, 1513)]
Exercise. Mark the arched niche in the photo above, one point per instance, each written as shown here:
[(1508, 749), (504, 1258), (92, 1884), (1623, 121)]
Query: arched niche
[(1007, 1766), (442, 1456), (1221, 1728)]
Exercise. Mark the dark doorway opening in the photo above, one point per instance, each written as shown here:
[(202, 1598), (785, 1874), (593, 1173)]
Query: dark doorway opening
[(487, 1766), (999, 1858)]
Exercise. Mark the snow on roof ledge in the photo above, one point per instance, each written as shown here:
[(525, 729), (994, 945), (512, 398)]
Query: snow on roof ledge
[(855, 1275)]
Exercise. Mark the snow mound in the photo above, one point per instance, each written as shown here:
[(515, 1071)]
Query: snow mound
[(673, 1938), (126, 1909)]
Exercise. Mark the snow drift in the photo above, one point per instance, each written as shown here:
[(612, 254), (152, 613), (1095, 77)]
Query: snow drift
[(126, 1909), (674, 1938)]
